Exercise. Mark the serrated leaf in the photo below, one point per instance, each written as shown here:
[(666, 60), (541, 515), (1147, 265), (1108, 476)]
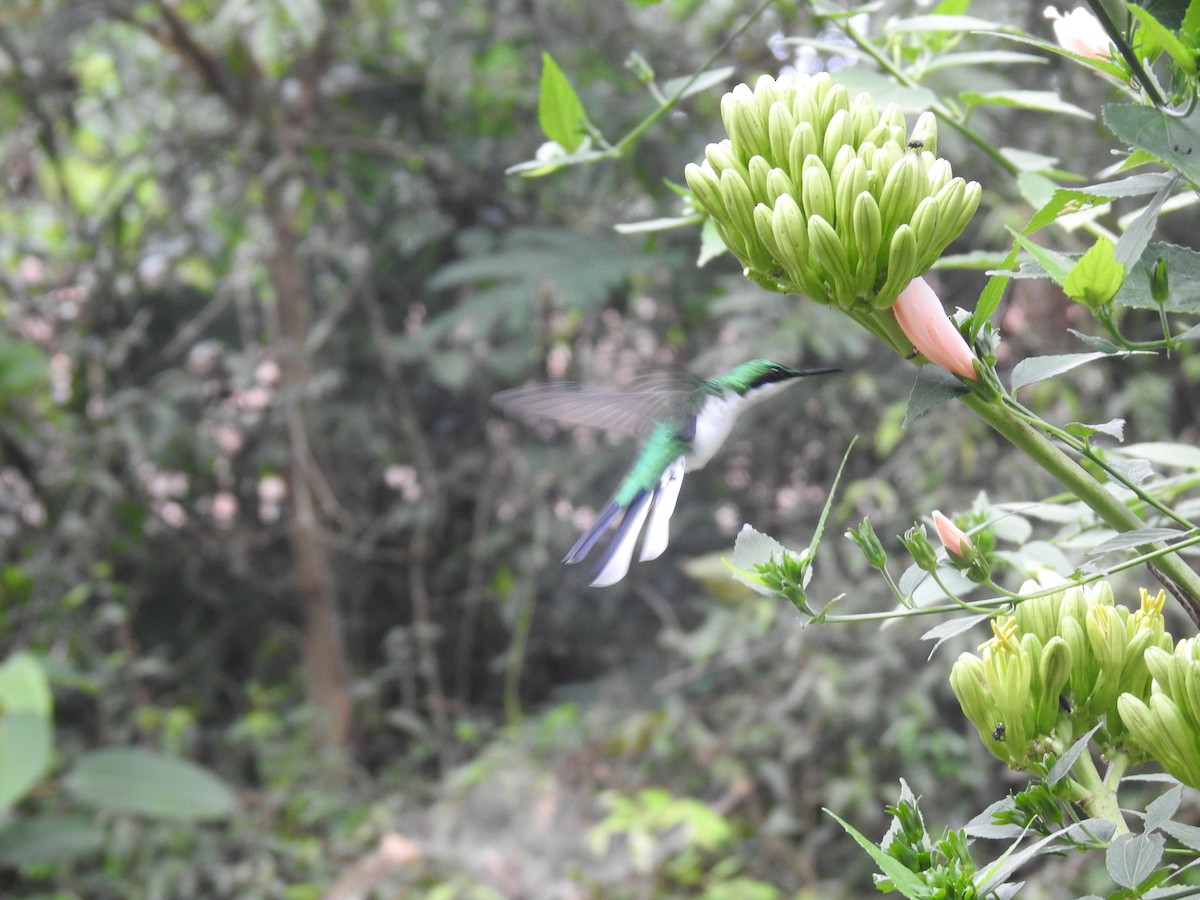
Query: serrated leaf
[(1162, 808), (904, 880), (1173, 140), (1132, 858), (1188, 835), (1095, 279), (1132, 244), (981, 58), (983, 826), (951, 628), (1183, 264), (1158, 36), (934, 386), (1128, 539), (1038, 101), (1038, 368), (1064, 763), (753, 548), (560, 111), (149, 784), (1056, 265), (1114, 428), (1163, 453), (1133, 186), (1134, 471)]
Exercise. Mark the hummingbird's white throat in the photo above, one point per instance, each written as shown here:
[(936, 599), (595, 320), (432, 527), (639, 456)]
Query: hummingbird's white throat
[(716, 417)]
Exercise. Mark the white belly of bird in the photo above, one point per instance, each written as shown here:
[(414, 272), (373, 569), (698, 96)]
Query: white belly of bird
[(713, 425)]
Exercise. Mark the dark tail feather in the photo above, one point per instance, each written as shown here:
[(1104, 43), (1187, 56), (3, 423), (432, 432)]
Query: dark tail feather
[(588, 539)]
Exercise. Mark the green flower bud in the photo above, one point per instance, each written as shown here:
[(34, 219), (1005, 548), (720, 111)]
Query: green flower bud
[(706, 188), (864, 537), (903, 189), (816, 190), (780, 126), (864, 117), (802, 145), (1054, 670), (1160, 286), (778, 184), (828, 253), (837, 100), (722, 158), (921, 549), (839, 133), (901, 260), (924, 133)]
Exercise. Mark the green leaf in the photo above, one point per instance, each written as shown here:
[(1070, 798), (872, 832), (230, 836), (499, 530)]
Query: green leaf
[(1191, 19), (26, 727), (23, 368), (1096, 278), (49, 839), (903, 879), (149, 784), (981, 58), (1064, 763), (1038, 368), (1056, 265), (1163, 453), (1037, 101), (753, 548), (1132, 858), (1172, 140), (936, 23), (1158, 37), (1127, 540), (1184, 265), (1188, 835), (934, 386), (1133, 186), (560, 111), (1162, 808)]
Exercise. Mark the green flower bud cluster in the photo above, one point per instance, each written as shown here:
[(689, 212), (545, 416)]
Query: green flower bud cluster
[(822, 194), (1066, 656), (1167, 726)]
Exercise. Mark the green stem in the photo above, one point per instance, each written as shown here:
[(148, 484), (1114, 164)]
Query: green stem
[(1097, 797), (1175, 574)]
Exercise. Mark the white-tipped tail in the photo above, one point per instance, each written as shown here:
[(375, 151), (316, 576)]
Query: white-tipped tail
[(619, 554), (658, 526)]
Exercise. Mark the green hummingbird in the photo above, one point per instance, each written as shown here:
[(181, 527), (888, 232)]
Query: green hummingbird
[(683, 430)]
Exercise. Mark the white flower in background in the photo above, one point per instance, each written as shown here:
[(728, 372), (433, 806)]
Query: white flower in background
[(1080, 32)]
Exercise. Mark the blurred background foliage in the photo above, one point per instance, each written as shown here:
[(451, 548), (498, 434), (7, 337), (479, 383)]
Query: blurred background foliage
[(262, 270)]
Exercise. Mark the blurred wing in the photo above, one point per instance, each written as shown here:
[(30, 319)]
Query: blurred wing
[(631, 412)]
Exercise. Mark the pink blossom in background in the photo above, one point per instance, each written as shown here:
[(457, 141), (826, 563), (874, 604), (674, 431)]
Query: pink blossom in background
[(1080, 32)]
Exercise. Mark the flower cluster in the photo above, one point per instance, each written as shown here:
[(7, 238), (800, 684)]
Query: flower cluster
[(1167, 726), (1066, 656), (819, 194)]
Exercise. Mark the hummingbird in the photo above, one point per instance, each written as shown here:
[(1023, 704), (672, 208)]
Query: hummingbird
[(683, 430)]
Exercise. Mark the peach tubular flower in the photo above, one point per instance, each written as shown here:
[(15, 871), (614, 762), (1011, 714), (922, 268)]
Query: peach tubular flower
[(1080, 32), (921, 317), (953, 538)]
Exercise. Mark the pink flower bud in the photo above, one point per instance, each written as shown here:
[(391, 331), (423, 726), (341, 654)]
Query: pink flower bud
[(953, 538), (921, 317), (1080, 32)]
